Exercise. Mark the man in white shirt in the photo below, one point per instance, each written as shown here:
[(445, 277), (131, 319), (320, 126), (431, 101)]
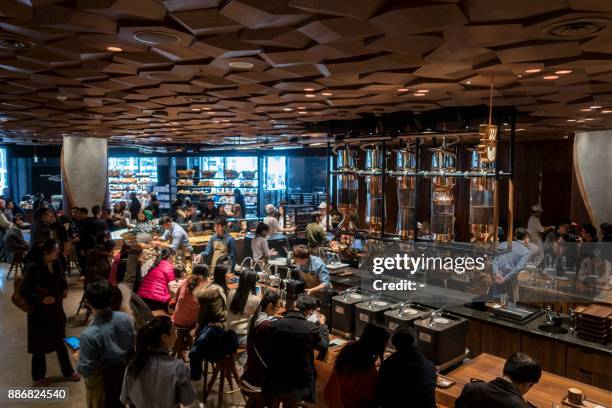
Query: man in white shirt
[(325, 220), (271, 221), (535, 229)]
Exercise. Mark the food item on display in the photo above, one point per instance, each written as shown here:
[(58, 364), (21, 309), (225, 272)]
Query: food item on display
[(114, 173), (208, 173), (227, 184), (117, 195), (206, 183), (247, 184), (185, 173), (231, 174), (183, 182), (199, 239), (249, 174), (184, 192)]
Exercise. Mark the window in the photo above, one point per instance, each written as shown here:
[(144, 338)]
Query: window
[(275, 171), (131, 174), (3, 172)]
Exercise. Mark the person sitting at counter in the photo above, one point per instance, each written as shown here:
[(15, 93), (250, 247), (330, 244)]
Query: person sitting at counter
[(521, 372), (259, 244), (175, 235), (143, 225), (221, 244), (312, 270), (272, 221), (407, 373), (315, 233), (507, 265), (154, 287)]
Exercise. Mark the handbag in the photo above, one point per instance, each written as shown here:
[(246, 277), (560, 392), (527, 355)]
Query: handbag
[(17, 299)]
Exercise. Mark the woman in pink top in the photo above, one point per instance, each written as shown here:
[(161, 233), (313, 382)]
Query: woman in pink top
[(154, 287), (187, 308)]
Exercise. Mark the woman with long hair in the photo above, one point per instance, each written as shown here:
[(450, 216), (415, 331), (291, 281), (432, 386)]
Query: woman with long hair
[(257, 337), (259, 244), (154, 286), (153, 378), (44, 288), (242, 303), (213, 298), (352, 383), (185, 317)]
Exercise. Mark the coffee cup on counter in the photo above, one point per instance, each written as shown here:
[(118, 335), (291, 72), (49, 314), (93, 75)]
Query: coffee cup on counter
[(575, 396)]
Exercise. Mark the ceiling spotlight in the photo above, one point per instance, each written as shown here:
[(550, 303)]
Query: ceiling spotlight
[(468, 82), (550, 77), (533, 70), (571, 120), (310, 95), (114, 49), (207, 109), (301, 107), (196, 109), (240, 65), (423, 90), (418, 94), (606, 111), (287, 109), (563, 71), (520, 129), (402, 90), (519, 75), (585, 110), (326, 94), (309, 89), (595, 107), (302, 112), (589, 119), (211, 113), (61, 97)]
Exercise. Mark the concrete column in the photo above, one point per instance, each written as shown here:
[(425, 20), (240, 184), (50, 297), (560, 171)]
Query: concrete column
[(593, 169), (84, 172)]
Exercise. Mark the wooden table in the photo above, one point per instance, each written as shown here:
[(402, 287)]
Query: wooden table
[(551, 388)]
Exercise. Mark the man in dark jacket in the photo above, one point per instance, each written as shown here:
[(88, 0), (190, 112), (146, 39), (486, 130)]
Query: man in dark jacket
[(13, 239), (521, 372), (135, 205), (406, 374), (41, 228), (289, 352)]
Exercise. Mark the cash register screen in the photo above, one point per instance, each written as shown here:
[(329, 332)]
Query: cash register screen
[(357, 245)]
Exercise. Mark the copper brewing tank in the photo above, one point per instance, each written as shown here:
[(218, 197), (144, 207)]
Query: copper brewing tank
[(405, 166), (373, 172), (442, 195), (347, 184)]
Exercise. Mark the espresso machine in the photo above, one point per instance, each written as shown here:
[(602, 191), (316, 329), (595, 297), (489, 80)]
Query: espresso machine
[(442, 337), (347, 185), (372, 311), (405, 176), (442, 194), (343, 311), (405, 313), (373, 173)]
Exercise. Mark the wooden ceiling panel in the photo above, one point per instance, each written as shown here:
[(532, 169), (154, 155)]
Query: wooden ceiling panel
[(192, 70)]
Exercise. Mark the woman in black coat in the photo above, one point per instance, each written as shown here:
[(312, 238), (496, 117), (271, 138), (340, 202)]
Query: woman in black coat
[(44, 287)]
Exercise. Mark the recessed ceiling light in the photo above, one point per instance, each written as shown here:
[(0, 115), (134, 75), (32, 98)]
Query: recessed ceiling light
[(571, 120), (402, 90), (585, 110), (550, 77), (114, 49), (468, 82), (520, 129), (595, 107), (225, 120), (580, 121), (302, 112), (301, 107), (418, 94), (533, 70), (326, 93), (287, 109), (206, 109), (211, 113), (310, 95), (196, 109), (423, 90), (519, 75), (240, 65), (61, 97), (309, 89), (589, 119), (606, 111), (563, 71)]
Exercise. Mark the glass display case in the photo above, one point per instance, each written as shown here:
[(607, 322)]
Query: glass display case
[(131, 174)]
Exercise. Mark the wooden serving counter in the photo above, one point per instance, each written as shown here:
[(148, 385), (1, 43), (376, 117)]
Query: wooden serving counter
[(552, 388)]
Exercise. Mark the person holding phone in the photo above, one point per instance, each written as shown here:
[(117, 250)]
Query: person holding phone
[(44, 288)]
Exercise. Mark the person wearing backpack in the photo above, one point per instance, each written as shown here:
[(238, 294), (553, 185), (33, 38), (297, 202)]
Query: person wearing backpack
[(44, 288)]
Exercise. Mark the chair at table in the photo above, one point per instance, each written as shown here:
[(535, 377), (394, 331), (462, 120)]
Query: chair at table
[(16, 265)]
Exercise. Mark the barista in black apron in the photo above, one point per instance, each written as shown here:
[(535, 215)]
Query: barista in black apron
[(221, 245)]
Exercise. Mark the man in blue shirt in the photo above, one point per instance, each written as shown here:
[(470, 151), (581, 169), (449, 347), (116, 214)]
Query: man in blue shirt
[(312, 270), (507, 266), (105, 345), (175, 235), (220, 245)]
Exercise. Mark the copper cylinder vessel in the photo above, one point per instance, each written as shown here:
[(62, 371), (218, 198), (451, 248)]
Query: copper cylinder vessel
[(482, 195), (373, 172), (442, 195), (404, 173), (347, 185)]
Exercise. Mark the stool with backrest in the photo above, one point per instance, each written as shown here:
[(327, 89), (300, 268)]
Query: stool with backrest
[(224, 370), (16, 265)]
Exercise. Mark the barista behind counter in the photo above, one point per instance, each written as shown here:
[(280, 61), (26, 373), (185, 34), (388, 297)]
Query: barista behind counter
[(312, 270), (220, 245), (175, 235)]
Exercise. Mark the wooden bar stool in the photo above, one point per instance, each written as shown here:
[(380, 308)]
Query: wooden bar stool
[(16, 265), (224, 370), (252, 396)]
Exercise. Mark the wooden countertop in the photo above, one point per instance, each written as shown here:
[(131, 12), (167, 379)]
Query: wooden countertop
[(551, 388)]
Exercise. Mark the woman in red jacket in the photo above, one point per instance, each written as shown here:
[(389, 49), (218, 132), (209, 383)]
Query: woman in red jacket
[(154, 287)]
